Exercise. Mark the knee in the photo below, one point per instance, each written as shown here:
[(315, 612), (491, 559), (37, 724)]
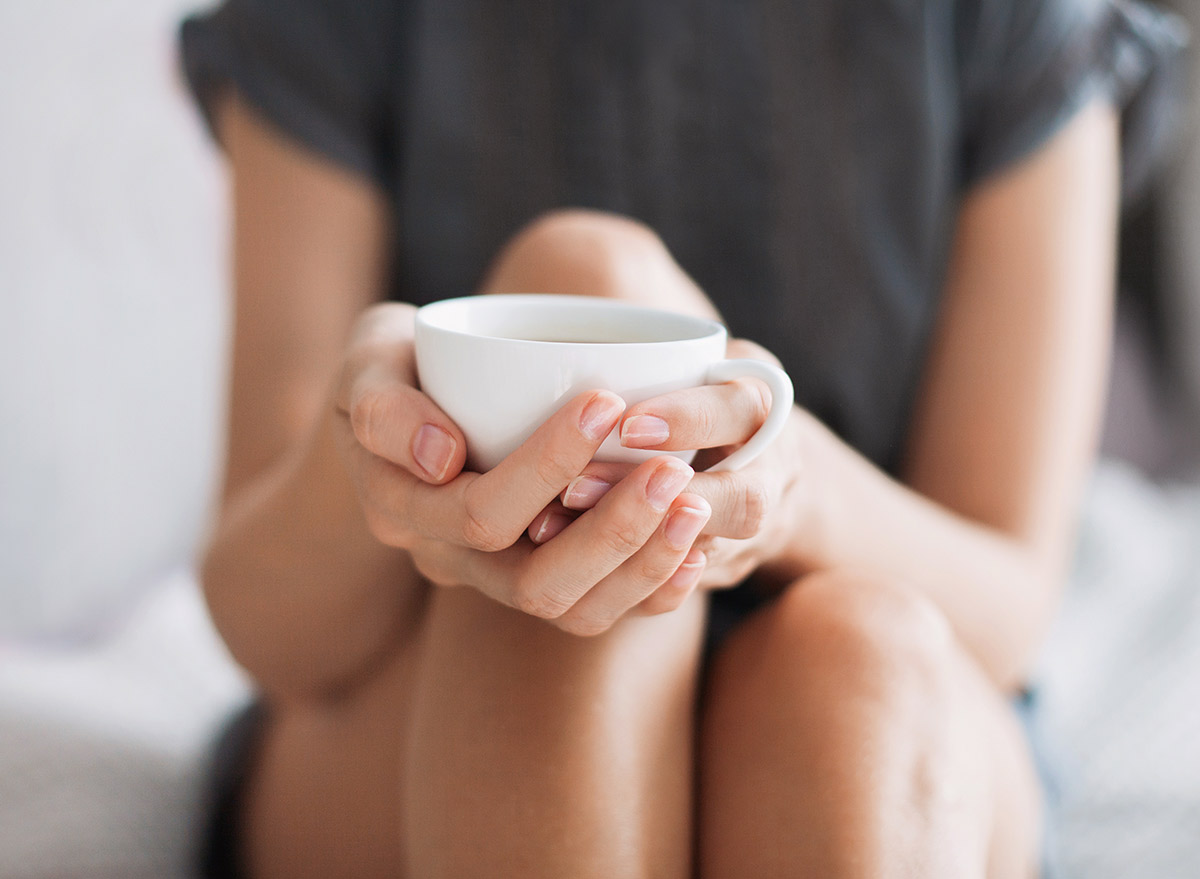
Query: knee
[(856, 633), (592, 253)]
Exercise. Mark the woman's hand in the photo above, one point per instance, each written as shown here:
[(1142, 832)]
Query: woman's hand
[(634, 548), (756, 510)]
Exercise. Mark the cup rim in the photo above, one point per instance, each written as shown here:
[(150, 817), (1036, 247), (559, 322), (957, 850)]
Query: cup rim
[(698, 329)]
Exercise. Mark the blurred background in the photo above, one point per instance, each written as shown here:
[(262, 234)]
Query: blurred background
[(112, 349)]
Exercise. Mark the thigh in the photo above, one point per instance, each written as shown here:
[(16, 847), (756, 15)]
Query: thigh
[(574, 752), (490, 736), (844, 721), (322, 798)]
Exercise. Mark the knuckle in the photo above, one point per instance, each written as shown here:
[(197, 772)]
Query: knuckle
[(481, 532), (530, 597), (625, 538), (706, 422), (367, 413), (753, 507), (527, 603), (758, 399), (556, 464), (656, 571)]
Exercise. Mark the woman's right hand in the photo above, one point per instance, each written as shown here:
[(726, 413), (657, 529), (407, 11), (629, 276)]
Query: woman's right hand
[(406, 459)]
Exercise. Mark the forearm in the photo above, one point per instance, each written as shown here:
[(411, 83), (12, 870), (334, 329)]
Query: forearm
[(997, 592), (1006, 417), (304, 596)]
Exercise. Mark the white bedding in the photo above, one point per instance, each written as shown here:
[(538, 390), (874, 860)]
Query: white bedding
[(112, 274), (104, 746), (1120, 685)]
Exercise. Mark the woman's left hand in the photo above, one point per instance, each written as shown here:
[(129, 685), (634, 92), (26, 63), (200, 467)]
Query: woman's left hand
[(756, 510)]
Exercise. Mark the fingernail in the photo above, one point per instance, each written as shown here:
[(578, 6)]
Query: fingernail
[(644, 430), (583, 492), (684, 525), (600, 415), (667, 481), (688, 574), (432, 449), (552, 524)]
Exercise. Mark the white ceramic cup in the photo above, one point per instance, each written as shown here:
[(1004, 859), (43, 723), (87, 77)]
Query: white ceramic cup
[(501, 365)]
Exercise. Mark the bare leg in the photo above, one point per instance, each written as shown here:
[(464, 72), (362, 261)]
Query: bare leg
[(492, 744), (537, 754), (846, 734), (498, 746)]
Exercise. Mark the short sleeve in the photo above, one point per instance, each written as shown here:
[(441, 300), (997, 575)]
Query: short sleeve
[(1027, 66), (318, 69)]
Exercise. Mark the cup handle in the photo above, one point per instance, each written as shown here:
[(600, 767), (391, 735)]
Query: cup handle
[(781, 405)]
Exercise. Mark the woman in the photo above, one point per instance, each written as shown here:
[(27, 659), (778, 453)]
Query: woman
[(912, 207)]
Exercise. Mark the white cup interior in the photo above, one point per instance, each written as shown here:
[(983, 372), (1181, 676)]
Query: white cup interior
[(549, 319)]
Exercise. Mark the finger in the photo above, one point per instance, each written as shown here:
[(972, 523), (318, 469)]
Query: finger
[(671, 595), (654, 434), (390, 418), (491, 511), (490, 573), (643, 573), (698, 418), (561, 571), (585, 490), (550, 522), (390, 497), (741, 501), (398, 423), (500, 504)]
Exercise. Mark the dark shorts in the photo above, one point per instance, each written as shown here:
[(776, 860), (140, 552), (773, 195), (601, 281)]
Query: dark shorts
[(1026, 707), (236, 750), (221, 854)]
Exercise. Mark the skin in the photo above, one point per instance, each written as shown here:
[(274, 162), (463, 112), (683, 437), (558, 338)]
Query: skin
[(435, 710)]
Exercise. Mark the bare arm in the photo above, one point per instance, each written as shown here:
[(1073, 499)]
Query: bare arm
[(1007, 417), (1003, 433), (1002, 437), (299, 589), (346, 495)]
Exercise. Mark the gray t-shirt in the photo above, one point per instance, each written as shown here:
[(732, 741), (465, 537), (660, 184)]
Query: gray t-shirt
[(803, 161)]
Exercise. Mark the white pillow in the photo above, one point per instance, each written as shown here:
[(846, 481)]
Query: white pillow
[(112, 274)]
